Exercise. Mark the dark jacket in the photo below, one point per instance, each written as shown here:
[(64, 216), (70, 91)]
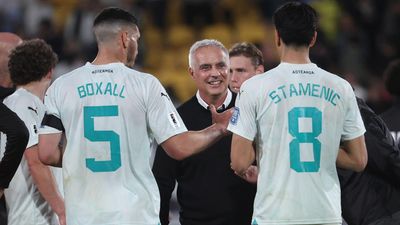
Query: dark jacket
[(17, 138), (392, 119), (209, 192), (374, 193)]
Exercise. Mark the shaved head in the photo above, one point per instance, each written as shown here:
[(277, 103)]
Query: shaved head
[(8, 41), (9, 38)]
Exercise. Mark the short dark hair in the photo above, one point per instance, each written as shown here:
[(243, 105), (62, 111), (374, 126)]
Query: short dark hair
[(114, 14), (31, 61), (248, 50), (392, 77), (296, 23)]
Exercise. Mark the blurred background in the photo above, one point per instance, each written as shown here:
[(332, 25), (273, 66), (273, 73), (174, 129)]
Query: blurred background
[(357, 39)]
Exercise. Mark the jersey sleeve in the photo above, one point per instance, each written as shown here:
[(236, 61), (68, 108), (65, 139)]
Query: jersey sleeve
[(30, 117), (243, 120), (51, 122), (353, 124), (163, 119)]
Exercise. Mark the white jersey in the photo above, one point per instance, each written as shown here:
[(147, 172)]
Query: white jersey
[(25, 204), (298, 114), (111, 115)]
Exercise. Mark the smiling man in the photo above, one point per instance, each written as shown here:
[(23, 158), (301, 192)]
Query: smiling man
[(208, 190)]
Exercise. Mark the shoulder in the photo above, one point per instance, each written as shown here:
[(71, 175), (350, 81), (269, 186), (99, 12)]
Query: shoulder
[(19, 99), (190, 104)]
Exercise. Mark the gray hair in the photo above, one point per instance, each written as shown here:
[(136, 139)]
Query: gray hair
[(205, 43)]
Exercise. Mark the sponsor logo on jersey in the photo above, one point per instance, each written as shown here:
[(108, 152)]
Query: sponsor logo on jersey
[(102, 71), (235, 116), (165, 95), (35, 110), (173, 120), (303, 72)]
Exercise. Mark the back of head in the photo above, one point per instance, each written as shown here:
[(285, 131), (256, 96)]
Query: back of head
[(392, 78), (31, 61), (110, 21), (295, 23), (205, 43), (8, 41), (247, 50)]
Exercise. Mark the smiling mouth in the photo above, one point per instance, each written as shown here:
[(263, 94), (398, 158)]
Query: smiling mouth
[(214, 83)]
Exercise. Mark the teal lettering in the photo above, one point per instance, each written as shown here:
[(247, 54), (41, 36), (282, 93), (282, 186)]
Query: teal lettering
[(98, 88), (81, 91), (326, 92), (108, 89), (315, 90), (122, 92), (283, 91), (275, 98), (305, 91), (293, 90), (89, 89), (333, 99), (115, 89)]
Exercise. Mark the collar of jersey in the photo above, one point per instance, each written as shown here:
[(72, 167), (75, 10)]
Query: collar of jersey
[(224, 105)]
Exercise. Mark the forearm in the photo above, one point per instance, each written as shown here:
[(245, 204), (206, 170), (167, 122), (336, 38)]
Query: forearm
[(241, 163), (346, 160), (192, 142), (242, 154), (45, 182), (353, 155)]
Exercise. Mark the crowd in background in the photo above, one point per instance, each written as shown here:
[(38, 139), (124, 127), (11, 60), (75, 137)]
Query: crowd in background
[(356, 39)]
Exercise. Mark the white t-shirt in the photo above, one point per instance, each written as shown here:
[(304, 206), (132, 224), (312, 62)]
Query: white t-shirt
[(111, 115), (298, 114), (25, 204)]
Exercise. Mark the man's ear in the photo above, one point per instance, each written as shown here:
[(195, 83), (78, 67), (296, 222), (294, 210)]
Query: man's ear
[(277, 38), (314, 39), (260, 69), (191, 72), (124, 39)]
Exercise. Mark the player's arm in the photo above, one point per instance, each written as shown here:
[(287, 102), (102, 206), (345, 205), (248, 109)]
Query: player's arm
[(44, 180), (242, 154), (49, 151), (353, 155), (188, 143), (17, 138)]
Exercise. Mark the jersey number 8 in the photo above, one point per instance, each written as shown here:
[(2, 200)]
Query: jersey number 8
[(305, 137)]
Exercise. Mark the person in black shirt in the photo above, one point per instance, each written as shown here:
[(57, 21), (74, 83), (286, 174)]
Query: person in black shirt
[(10, 124), (372, 197), (392, 115), (208, 192), (17, 138)]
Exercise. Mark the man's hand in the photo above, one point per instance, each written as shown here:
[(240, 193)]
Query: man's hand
[(62, 219), (251, 175), (221, 119)]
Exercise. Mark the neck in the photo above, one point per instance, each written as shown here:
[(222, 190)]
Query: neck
[(108, 55), (37, 88), (5, 82), (295, 55), (216, 100)]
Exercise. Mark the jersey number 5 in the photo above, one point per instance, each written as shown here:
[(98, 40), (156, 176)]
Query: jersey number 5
[(305, 137), (89, 112)]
